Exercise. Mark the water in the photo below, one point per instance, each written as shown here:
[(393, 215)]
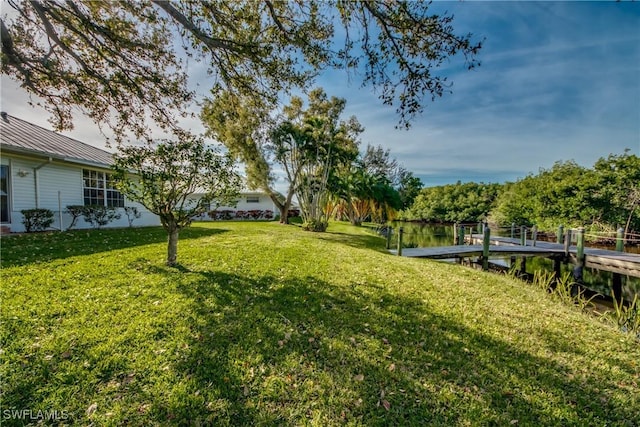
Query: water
[(420, 235)]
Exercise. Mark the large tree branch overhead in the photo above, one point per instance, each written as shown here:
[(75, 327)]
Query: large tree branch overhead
[(125, 62)]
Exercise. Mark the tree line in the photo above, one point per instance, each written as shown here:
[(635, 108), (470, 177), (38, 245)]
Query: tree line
[(603, 197)]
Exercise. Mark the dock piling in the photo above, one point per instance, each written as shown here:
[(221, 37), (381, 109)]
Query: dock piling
[(616, 278), (567, 243), (580, 246), (486, 240), (400, 233), (560, 235), (389, 233), (620, 240), (455, 234), (577, 271), (461, 235)]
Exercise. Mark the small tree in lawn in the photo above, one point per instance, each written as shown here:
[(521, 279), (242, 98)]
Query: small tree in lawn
[(163, 177)]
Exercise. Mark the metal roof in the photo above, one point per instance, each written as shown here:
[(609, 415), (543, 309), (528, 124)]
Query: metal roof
[(19, 136)]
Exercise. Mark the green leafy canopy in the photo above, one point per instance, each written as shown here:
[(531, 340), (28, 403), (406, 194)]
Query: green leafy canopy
[(123, 62)]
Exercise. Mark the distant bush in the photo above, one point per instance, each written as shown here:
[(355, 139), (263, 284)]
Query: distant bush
[(315, 225), (240, 214), (98, 215), (221, 215), (132, 214), (76, 212), (36, 219)]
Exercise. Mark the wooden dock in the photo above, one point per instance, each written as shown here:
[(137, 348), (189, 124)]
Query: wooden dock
[(466, 251), (624, 263), (606, 260)]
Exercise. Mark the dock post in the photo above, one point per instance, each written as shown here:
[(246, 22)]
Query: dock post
[(557, 268), (461, 235), (400, 233), (523, 235), (620, 240), (513, 229), (455, 233), (485, 248), (577, 271), (567, 243), (580, 251), (616, 278), (534, 234), (560, 234), (389, 233)]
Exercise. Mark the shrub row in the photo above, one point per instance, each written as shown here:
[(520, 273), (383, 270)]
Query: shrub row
[(230, 214), (96, 215)]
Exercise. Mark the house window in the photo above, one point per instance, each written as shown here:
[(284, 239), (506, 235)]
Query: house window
[(253, 199), (100, 189), (4, 193)]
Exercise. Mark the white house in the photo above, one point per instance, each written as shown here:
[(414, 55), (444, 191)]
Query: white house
[(40, 168), (249, 205), (43, 169)]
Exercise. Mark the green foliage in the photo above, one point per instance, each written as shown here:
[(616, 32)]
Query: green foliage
[(324, 145), (128, 57), (318, 226), (76, 212), (132, 214), (176, 180), (617, 190), (604, 197), (409, 188), (99, 215), (363, 194), (563, 289), (245, 335), (627, 317), (245, 126), (468, 202), (96, 215), (36, 219)]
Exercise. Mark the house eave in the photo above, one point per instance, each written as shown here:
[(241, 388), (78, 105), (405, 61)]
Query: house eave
[(44, 155)]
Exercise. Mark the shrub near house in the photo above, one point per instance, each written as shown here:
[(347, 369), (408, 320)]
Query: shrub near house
[(227, 214)]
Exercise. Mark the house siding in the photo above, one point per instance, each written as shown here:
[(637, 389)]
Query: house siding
[(59, 178), (54, 177), (21, 194), (264, 203), (45, 171)]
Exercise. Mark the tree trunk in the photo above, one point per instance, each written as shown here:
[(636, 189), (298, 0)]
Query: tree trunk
[(282, 207), (172, 247), (284, 214)]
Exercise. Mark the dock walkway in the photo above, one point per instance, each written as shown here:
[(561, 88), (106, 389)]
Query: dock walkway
[(627, 264)]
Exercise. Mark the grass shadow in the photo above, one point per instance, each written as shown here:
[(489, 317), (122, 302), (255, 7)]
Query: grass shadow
[(291, 353), (362, 241), (23, 249)]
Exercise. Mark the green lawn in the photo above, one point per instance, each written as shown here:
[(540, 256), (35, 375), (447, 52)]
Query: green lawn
[(264, 324)]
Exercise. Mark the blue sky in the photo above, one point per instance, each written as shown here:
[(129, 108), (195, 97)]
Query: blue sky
[(558, 81)]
